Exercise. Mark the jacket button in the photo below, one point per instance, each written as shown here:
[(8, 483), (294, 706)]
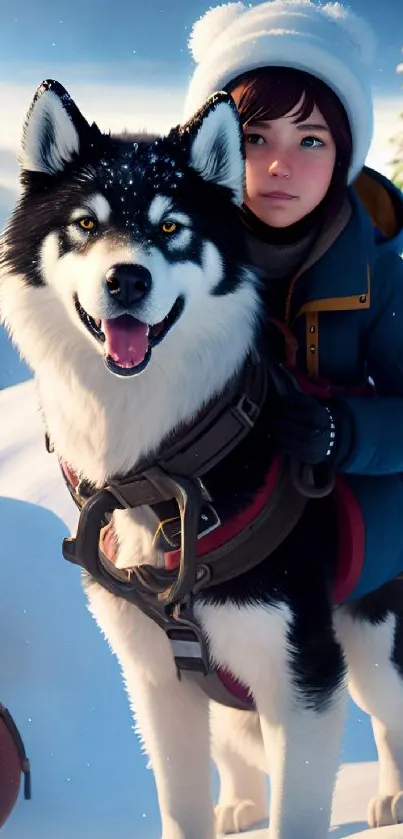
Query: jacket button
[(312, 349), (363, 298), (312, 329)]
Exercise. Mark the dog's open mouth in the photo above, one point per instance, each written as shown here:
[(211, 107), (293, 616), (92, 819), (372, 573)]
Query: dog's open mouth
[(128, 342)]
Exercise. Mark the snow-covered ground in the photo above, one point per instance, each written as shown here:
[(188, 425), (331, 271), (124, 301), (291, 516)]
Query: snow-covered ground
[(63, 685)]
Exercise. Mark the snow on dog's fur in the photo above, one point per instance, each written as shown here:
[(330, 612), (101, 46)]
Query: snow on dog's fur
[(125, 286)]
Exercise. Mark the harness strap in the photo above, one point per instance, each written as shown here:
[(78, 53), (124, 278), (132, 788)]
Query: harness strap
[(195, 448), (221, 428), (223, 688)]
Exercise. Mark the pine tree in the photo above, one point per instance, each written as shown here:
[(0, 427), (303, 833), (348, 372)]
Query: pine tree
[(397, 142)]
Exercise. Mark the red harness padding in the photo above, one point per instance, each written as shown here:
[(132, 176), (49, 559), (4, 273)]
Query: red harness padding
[(350, 528)]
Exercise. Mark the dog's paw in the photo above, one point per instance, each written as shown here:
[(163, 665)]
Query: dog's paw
[(238, 816), (397, 808), (385, 810)]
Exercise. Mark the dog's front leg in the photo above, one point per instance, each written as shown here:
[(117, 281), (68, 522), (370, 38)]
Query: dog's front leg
[(172, 719), (302, 710), (303, 748), (295, 670)]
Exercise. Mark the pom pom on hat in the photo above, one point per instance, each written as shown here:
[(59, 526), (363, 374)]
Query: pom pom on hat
[(210, 26)]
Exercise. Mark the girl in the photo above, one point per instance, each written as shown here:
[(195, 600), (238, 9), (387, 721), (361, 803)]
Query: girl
[(325, 233)]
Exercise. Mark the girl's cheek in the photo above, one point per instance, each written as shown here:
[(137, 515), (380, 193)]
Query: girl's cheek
[(249, 182)]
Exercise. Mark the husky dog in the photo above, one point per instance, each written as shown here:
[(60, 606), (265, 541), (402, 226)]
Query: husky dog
[(125, 285)]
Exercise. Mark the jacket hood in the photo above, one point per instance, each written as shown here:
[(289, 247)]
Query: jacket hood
[(383, 202)]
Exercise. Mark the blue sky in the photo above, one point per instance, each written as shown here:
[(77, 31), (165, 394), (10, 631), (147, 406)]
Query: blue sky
[(126, 64), (143, 40)]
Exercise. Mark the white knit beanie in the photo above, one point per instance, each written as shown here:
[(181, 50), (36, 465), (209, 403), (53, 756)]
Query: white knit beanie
[(328, 41)]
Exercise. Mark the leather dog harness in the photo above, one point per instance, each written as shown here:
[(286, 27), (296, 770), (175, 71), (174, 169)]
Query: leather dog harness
[(200, 551)]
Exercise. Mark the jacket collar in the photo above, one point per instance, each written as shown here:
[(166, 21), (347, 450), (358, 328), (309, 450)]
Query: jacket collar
[(337, 275)]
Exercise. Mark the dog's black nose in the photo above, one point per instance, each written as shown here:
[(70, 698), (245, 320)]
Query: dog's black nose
[(128, 284)]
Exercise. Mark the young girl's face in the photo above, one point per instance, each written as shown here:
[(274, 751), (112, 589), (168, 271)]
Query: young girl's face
[(289, 166)]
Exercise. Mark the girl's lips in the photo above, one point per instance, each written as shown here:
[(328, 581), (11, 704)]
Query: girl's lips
[(279, 196)]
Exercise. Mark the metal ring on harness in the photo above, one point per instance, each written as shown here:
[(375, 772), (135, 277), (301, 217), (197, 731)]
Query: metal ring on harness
[(84, 548), (303, 478)]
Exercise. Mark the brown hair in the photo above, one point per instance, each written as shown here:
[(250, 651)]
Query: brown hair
[(272, 92)]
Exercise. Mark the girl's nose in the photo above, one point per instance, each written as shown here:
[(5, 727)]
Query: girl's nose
[(279, 169)]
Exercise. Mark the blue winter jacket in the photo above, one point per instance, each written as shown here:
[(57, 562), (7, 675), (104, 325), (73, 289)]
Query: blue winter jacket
[(346, 312)]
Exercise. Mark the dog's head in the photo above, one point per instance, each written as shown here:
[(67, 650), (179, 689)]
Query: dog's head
[(136, 240)]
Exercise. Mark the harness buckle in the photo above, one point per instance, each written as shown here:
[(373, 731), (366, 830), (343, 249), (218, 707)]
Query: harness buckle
[(246, 411), (170, 531), (188, 644), (209, 520)]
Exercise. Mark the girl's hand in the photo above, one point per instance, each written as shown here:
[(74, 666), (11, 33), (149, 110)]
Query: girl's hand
[(309, 431)]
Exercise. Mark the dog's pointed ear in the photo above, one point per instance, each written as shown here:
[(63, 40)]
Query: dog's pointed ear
[(53, 130), (216, 144)]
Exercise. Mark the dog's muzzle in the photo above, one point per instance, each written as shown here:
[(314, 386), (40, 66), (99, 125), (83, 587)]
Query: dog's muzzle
[(128, 284), (128, 341)]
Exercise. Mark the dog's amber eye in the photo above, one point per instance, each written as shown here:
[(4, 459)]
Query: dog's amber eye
[(169, 227), (87, 223)]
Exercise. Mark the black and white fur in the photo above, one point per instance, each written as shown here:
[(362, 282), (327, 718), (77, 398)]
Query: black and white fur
[(274, 627)]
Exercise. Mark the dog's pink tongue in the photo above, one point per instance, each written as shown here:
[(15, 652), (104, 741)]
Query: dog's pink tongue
[(126, 340)]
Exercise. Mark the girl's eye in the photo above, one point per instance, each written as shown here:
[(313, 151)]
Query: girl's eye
[(254, 139), (87, 223), (169, 227), (312, 142)]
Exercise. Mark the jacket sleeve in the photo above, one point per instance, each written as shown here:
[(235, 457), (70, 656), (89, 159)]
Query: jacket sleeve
[(376, 422)]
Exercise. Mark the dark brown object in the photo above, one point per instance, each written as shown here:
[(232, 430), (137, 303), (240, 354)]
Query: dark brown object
[(13, 762)]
